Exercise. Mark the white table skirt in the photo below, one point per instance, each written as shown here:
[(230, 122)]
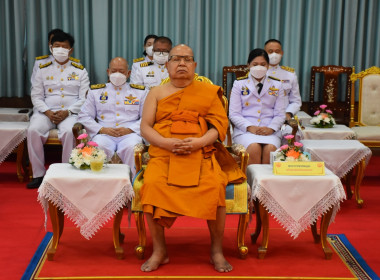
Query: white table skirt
[(13, 115), (89, 199), (12, 134), (295, 202), (338, 132), (340, 156)]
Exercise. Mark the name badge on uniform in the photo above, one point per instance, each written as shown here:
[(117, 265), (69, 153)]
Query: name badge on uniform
[(131, 100), (273, 91), (150, 74), (244, 91), (73, 76), (103, 97)]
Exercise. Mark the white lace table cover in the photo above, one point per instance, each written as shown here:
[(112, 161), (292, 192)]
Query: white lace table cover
[(295, 202), (13, 115), (338, 132), (89, 199), (340, 156), (303, 117), (12, 134)]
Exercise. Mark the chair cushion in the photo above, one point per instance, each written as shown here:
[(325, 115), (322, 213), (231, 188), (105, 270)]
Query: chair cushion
[(53, 133), (370, 101), (367, 132)]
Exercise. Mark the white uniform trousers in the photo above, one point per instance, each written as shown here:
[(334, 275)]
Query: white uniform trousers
[(123, 146), (38, 132)]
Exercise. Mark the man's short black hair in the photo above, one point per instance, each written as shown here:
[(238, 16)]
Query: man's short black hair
[(54, 32), (273, 41), (62, 37), (163, 39)]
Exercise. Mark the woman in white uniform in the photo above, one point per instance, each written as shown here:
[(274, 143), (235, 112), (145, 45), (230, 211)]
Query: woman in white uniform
[(257, 109)]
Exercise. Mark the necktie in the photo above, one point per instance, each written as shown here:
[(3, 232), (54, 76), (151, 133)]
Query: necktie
[(260, 87)]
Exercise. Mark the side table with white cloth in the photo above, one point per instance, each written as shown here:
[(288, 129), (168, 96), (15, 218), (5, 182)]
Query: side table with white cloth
[(296, 202), (303, 118), (337, 132), (88, 198), (341, 157), (12, 138), (15, 114)]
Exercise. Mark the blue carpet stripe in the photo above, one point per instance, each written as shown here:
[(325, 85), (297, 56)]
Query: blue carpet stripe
[(351, 257), (37, 257)]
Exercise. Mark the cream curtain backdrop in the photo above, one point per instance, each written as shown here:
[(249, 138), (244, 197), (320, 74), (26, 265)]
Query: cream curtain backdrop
[(221, 32)]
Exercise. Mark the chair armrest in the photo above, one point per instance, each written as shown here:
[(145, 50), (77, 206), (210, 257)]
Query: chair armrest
[(239, 153), (140, 158), (77, 129)]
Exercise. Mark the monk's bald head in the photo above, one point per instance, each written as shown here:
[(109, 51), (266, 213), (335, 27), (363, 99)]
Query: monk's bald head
[(182, 50)]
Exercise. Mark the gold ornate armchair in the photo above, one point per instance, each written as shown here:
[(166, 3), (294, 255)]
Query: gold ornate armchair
[(331, 86), (236, 195), (366, 122)]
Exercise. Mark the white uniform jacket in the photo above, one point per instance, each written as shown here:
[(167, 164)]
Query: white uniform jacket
[(248, 107), (110, 106), (59, 87), (148, 74), (290, 83)]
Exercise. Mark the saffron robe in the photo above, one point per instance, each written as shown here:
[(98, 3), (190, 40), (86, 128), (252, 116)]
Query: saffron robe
[(190, 185)]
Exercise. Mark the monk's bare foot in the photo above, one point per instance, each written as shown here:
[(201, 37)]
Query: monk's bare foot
[(220, 263), (155, 260)]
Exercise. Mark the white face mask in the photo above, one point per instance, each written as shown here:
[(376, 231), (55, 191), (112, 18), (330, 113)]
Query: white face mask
[(274, 58), (149, 50), (258, 71), (161, 58), (60, 54), (118, 79)]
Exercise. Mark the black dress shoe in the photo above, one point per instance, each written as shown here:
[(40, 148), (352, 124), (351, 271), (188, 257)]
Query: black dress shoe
[(36, 182)]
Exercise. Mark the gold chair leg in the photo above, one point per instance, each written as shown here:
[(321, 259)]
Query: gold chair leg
[(242, 228), (358, 181), (314, 231), (53, 211), (325, 221), (140, 225), (264, 215), (116, 234)]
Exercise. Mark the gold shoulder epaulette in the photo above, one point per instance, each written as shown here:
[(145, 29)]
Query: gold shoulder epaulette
[(138, 59), (289, 69), (81, 67), (137, 86), (45, 65), (42, 57), (274, 78), (243, 78), (97, 86), (74, 59), (145, 64)]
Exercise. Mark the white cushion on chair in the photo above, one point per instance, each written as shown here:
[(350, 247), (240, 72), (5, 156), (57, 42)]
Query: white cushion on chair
[(53, 133), (370, 101), (367, 132)]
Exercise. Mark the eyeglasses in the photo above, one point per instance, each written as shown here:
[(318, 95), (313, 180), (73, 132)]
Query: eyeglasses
[(161, 53), (178, 58)]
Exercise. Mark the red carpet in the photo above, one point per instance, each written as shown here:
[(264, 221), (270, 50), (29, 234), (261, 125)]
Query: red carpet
[(21, 231)]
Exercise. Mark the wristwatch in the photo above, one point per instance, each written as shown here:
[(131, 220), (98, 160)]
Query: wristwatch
[(70, 113)]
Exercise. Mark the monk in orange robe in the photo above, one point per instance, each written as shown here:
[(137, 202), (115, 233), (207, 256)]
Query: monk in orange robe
[(182, 120)]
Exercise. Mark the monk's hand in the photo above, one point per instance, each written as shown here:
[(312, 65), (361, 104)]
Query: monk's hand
[(123, 131), (192, 144), (264, 131), (253, 129), (110, 131)]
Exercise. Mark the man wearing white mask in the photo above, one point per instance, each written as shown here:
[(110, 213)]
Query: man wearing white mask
[(148, 54), (286, 74), (58, 93), (117, 107), (152, 73), (41, 60)]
